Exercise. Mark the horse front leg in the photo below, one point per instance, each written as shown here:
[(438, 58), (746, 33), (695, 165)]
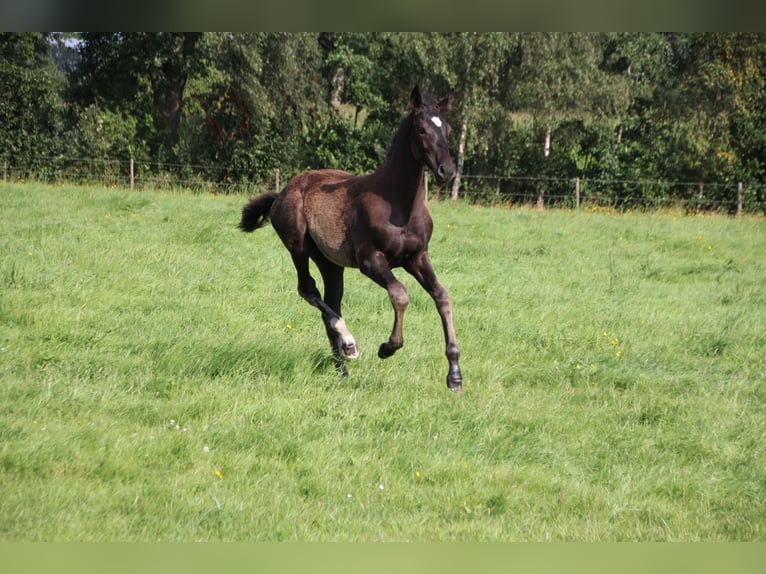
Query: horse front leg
[(420, 267), (377, 268), (399, 301)]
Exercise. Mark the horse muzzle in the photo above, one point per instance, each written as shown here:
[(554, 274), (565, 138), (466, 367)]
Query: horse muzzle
[(445, 172)]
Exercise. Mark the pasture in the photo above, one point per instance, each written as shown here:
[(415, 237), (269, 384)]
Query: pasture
[(161, 379)]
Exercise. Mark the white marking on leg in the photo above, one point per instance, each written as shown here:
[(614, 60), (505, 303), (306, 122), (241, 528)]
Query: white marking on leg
[(350, 350), (437, 121)]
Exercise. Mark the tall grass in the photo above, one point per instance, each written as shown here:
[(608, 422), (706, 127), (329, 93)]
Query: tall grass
[(162, 380)]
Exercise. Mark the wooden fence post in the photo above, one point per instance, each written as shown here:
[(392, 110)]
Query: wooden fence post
[(132, 175), (577, 192), (276, 178), (739, 199), (425, 185)]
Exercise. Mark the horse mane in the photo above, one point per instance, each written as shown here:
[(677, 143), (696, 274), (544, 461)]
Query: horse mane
[(399, 134)]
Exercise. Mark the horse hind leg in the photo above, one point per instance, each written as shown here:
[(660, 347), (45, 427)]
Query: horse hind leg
[(341, 340), (291, 226)]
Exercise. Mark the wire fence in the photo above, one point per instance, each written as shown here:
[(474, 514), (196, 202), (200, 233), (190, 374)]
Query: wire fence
[(131, 174), (506, 190), (576, 192)]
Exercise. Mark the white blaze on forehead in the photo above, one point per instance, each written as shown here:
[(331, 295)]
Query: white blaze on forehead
[(437, 121)]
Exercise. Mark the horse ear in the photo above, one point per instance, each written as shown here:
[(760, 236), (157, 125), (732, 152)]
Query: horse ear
[(446, 104), (416, 99)]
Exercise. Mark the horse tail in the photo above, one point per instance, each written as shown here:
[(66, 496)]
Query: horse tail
[(256, 213)]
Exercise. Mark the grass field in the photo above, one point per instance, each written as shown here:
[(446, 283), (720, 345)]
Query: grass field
[(162, 380)]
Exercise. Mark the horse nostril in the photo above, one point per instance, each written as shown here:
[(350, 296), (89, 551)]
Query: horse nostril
[(445, 172)]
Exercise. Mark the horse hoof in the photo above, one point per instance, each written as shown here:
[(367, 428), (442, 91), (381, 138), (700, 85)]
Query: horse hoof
[(350, 351), (385, 351), (455, 381)]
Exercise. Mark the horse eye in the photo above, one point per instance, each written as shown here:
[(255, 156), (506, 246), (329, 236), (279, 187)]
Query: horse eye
[(422, 131)]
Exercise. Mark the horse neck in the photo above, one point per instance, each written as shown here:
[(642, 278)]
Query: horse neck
[(403, 174)]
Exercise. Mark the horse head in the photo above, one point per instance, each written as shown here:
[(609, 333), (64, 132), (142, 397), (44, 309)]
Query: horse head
[(430, 134)]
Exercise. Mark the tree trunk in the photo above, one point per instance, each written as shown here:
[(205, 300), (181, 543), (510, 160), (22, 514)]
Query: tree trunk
[(546, 153), (336, 86), (547, 148), (464, 124), (460, 157), (173, 84)]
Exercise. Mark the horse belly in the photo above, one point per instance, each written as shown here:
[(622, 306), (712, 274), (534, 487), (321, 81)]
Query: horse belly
[(328, 228)]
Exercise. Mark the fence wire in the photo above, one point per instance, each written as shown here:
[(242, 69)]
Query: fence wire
[(507, 190), (617, 193)]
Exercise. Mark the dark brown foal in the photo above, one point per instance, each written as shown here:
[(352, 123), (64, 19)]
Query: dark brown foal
[(375, 223)]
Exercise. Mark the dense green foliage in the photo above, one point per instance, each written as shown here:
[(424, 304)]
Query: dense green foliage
[(532, 112), (162, 379)]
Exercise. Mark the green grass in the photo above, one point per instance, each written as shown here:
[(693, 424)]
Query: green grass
[(160, 379)]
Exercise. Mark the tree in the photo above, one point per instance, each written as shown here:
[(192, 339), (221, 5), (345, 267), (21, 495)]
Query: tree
[(558, 77), (616, 107), (351, 63), (725, 77), (696, 112), (169, 79), (30, 103), (480, 69), (364, 97), (138, 74), (256, 105)]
